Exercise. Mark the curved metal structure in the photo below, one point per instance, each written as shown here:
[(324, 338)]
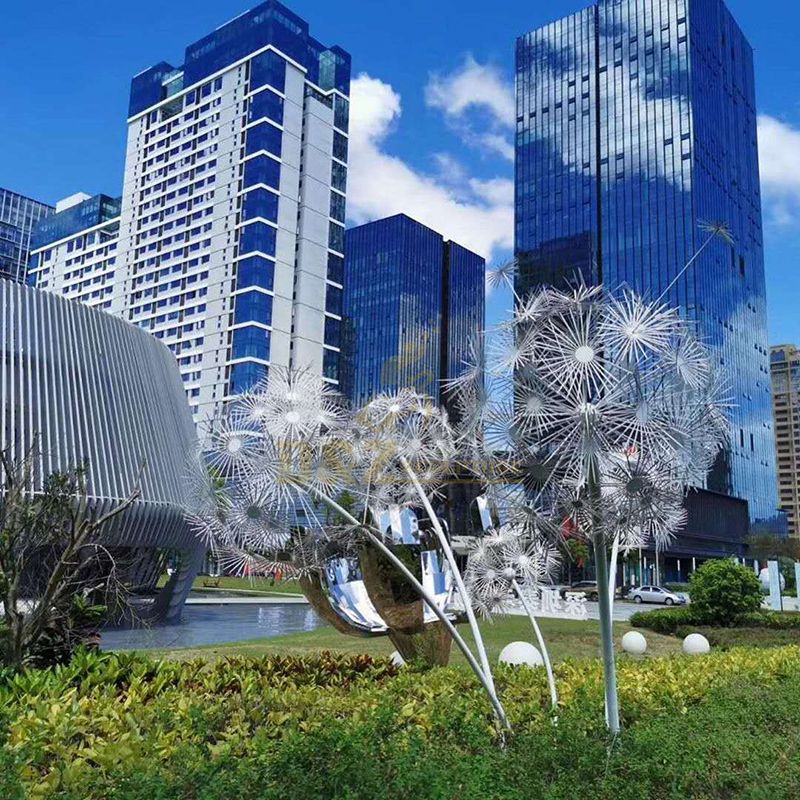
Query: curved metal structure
[(94, 388)]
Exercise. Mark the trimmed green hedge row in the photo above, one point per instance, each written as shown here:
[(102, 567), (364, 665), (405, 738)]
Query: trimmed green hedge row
[(126, 728), (678, 621)]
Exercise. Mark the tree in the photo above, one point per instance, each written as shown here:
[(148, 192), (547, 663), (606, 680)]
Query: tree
[(723, 592), (57, 577)]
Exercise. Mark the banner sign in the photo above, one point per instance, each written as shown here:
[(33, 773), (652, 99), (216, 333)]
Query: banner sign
[(775, 601)]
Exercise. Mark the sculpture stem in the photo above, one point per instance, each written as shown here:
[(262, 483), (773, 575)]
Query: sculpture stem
[(612, 579), (551, 681), (606, 635), (488, 686), (451, 560)]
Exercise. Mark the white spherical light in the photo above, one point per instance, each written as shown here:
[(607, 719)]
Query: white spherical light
[(397, 659), (633, 642), (521, 654), (695, 644)]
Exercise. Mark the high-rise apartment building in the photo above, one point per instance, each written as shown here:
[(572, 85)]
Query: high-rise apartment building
[(636, 121), (230, 241), (785, 366), (412, 304), (18, 217)]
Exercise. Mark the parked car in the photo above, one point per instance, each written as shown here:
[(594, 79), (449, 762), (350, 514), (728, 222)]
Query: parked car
[(587, 588), (655, 594)]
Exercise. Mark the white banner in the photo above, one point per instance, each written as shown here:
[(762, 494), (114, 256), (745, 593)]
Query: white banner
[(775, 600)]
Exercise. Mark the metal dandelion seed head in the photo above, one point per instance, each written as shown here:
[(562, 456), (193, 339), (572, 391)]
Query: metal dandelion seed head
[(615, 408)]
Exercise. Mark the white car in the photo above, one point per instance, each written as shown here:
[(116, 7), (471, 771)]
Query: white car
[(655, 594)]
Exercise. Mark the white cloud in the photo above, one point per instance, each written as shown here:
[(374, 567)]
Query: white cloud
[(779, 164), (471, 88), (473, 85), (476, 214)]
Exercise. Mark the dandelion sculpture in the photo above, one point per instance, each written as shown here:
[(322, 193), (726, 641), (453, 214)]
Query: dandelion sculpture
[(603, 408), (266, 493)]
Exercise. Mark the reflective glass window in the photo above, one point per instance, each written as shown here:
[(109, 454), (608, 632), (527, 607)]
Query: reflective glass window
[(266, 104), (268, 68), (257, 236), (253, 307), (333, 300), (245, 375), (260, 203), (250, 342), (255, 271), (262, 169), (264, 137)]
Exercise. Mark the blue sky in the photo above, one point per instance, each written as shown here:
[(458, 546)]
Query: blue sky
[(431, 129)]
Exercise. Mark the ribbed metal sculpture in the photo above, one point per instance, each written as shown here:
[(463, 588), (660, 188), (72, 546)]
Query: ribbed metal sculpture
[(86, 386)]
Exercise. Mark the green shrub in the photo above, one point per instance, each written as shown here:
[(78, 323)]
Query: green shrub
[(723, 591), (664, 621), (123, 727), (674, 621)]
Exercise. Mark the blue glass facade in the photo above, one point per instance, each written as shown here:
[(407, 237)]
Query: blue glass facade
[(87, 214), (19, 215), (270, 23), (412, 302), (636, 120)]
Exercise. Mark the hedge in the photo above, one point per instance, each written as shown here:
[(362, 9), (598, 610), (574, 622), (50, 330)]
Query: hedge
[(674, 621), (127, 728)]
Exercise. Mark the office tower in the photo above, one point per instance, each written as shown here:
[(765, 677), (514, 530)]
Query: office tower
[(412, 303), (636, 121), (18, 217), (231, 228), (785, 366)]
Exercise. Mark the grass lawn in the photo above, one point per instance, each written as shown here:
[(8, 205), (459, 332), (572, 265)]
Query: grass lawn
[(565, 639)]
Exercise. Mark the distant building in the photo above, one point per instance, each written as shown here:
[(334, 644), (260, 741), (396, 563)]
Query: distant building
[(18, 217), (229, 241), (636, 122), (83, 385), (75, 252), (412, 304), (785, 365)]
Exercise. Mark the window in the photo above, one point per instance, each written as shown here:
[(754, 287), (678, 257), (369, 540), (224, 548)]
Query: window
[(268, 68), (253, 306), (333, 300), (266, 104), (264, 137), (339, 176), (333, 331), (257, 236), (335, 268), (255, 271), (246, 375), (341, 112), (330, 364), (250, 342), (336, 237), (262, 169), (337, 207), (260, 203), (339, 146)]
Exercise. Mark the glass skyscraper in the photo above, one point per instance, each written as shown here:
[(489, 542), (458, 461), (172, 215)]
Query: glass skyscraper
[(636, 121), (18, 217), (412, 303), (229, 241)]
